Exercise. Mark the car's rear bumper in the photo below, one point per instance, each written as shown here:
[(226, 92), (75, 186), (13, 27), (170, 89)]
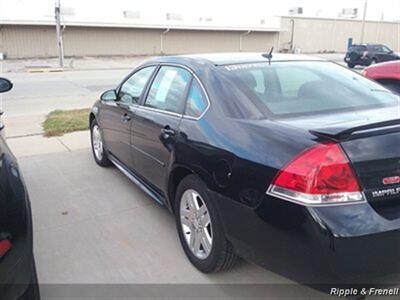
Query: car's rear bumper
[(332, 245), (362, 61)]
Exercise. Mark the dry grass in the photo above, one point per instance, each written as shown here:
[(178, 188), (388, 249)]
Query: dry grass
[(59, 122)]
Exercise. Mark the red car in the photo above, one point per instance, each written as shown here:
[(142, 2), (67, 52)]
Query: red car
[(387, 74)]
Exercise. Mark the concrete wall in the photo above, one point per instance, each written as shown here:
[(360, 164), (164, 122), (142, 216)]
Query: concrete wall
[(314, 35), (22, 41), (91, 41)]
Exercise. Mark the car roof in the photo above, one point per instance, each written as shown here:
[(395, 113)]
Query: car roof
[(367, 45), (363, 45), (238, 58), (218, 59)]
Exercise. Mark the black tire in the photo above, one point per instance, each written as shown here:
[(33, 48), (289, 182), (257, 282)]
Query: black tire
[(374, 61), (222, 255), (350, 65), (354, 56), (103, 161)]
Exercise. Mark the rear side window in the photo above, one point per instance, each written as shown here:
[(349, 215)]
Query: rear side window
[(132, 89), (196, 103), (169, 89)]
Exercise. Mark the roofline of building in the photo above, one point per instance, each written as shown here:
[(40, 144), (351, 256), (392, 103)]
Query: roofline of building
[(143, 26), (337, 19)]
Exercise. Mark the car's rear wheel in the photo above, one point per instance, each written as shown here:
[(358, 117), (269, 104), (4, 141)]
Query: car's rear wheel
[(374, 61), (99, 153), (200, 229), (350, 65)]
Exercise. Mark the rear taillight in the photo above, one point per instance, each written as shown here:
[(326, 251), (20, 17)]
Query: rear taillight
[(5, 246), (320, 175)]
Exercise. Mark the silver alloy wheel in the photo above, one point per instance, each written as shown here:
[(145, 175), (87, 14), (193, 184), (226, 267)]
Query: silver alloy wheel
[(196, 224), (97, 142)]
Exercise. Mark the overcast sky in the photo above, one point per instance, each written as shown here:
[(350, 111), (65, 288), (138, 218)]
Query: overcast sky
[(222, 12)]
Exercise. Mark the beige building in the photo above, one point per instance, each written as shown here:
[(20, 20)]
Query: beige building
[(318, 35), (39, 40), (311, 35)]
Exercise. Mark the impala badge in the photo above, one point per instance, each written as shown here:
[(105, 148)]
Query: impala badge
[(391, 180)]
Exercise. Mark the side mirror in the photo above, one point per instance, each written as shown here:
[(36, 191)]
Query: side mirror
[(5, 85), (110, 95)]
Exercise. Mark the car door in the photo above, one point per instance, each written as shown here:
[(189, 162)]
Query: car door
[(117, 117), (375, 52), (156, 123), (388, 54)]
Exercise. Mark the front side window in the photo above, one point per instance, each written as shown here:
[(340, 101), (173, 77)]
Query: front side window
[(285, 89), (169, 89), (196, 103), (132, 89)]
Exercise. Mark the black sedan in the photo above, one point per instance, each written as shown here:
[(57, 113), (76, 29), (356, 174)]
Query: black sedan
[(17, 266), (287, 161), (369, 54)]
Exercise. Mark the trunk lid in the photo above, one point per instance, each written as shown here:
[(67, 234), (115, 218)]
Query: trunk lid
[(371, 140)]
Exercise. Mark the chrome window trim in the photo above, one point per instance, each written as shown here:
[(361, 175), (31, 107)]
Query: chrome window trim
[(142, 107)]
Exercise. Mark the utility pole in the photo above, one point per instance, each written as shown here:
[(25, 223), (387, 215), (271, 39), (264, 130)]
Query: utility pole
[(333, 34), (59, 33), (363, 22), (291, 36), (378, 28)]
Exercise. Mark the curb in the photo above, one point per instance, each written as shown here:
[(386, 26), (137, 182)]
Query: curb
[(44, 70)]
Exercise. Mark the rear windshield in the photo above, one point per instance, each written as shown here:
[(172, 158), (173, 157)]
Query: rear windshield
[(285, 89), (357, 48)]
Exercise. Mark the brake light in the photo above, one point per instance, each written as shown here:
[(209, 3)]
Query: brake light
[(320, 175), (5, 246)]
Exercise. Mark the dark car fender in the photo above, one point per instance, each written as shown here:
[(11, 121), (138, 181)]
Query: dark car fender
[(17, 266)]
